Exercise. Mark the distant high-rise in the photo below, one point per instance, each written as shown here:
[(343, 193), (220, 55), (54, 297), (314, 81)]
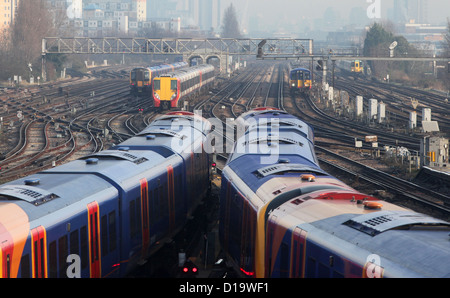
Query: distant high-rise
[(209, 14), (407, 11), (7, 13)]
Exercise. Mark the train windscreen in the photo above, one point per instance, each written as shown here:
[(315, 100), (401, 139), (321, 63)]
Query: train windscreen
[(173, 85), (156, 84)]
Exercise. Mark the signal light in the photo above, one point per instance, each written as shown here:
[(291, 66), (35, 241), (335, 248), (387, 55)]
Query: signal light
[(214, 164), (320, 66), (189, 268)]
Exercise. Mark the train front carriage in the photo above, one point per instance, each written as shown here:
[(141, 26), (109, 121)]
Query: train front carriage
[(139, 80), (300, 80), (141, 77)]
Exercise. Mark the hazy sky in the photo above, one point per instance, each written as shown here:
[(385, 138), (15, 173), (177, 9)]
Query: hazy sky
[(270, 10)]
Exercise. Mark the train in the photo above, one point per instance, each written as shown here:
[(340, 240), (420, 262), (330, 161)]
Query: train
[(170, 88), (354, 67), (107, 213), (300, 80), (283, 216), (141, 77)]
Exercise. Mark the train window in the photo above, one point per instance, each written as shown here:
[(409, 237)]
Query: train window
[(324, 271), (157, 85), (307, 76), (284, 262), (25, 266), (104, 234), (53, 261), (84, 247), (164, 198), (337, 275), (173, 85), (294, 76), (62, 255), (112, 231), (311, 268), (133, 75), (146, 75)]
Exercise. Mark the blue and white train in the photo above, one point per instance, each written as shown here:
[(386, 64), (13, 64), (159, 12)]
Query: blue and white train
[(281, 215), (103, 215)]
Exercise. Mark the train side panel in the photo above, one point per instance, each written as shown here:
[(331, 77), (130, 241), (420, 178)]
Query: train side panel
[(105, 214)]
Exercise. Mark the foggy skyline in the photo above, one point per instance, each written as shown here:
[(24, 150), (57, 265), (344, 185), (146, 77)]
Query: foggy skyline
[(294, 11)]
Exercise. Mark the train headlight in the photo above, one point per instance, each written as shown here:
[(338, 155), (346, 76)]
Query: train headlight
[(293, 84), (156, 95), (173, 96)]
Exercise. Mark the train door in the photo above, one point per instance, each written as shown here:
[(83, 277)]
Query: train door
[(5, 259), (171, 197), (94, 240), (145, 218), (298, 248), (271, 226), (39, 252)]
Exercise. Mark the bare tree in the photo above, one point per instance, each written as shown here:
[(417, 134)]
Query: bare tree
[(33, 22), (230, 28)]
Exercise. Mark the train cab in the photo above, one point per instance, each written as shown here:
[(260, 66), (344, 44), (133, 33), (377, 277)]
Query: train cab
[(165, 92), (357, 66), (300, 80)]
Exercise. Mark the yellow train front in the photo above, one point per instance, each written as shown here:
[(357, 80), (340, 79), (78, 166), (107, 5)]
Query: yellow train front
[(300, 80), (141, 77), (171, 88), (357, 67), (353, 68)]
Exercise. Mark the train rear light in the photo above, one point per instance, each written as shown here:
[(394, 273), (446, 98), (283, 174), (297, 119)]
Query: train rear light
[(189, 268)]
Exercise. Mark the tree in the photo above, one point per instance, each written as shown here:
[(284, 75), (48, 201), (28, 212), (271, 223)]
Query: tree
[(230, 27), (377, 43), (376, 40), (33, 22)]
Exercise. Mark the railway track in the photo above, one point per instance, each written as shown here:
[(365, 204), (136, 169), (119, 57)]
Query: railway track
[(399, 101), (59, 126)]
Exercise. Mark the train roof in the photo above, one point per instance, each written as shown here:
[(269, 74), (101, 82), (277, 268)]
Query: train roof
[(188, 71), (53, 191), (161, 66), (360, 232), (261, 155), (272, 119), (300, 68)]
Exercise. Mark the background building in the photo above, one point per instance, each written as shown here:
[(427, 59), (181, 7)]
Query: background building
[(7, 12), (411, 11)]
